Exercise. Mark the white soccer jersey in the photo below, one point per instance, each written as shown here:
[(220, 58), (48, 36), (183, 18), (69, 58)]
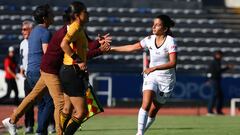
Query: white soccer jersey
[(160, 55), (24, 54)]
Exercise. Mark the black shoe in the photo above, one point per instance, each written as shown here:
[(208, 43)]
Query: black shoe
[(220, 113)]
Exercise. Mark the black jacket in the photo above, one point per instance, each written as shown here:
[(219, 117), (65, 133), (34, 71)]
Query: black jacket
[(215, 70)]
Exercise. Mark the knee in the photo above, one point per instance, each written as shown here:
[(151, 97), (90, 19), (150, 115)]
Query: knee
[(146, 106)]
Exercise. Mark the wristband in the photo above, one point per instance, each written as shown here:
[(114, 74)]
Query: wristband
[(76, 58)]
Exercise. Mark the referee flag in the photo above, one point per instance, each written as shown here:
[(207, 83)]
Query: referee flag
[(94, 106)]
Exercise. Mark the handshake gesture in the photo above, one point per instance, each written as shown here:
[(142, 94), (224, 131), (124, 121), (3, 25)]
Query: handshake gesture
[(105, 42)]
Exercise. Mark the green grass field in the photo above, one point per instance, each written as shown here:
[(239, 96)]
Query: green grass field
[(164, 125)]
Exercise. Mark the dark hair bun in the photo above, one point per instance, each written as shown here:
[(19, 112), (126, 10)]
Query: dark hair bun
[(74, 8), (167, 21)]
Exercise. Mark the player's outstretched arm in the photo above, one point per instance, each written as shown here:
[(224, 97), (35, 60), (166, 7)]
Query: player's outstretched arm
[(127, 48)]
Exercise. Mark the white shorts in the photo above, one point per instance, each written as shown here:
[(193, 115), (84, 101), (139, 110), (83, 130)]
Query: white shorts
[(162, 85)]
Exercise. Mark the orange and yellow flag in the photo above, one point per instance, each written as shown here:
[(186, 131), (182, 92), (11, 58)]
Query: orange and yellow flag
[(94, 106)]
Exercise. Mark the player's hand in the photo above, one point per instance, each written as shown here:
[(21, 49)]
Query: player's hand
[(105, 47), (148, 70), (82, 66), (104, 39)]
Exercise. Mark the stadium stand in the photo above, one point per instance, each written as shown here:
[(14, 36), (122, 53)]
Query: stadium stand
[(199, 31)]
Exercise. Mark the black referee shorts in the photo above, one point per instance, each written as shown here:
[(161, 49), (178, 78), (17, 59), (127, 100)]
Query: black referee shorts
[(73, 80)]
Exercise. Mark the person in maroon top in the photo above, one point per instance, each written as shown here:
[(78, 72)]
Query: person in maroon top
[(10, 67), (50, 66)]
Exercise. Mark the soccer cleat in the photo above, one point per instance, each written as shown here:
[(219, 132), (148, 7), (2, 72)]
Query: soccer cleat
[(138, 133), (11, 128)]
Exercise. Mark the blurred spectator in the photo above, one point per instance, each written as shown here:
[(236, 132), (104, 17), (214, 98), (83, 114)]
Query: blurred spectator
[(214, 74), (10, 67), (29, 114)]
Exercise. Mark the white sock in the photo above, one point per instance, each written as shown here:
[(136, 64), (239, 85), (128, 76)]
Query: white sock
[(149, 123), (142, 120)]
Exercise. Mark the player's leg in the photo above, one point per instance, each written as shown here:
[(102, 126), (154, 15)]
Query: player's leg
[(164, 84), (152, 113), (148, 96), (80, 106), (149, 90)]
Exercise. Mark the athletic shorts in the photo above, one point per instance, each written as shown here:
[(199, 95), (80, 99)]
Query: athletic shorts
[(73, 80), (162, 85)]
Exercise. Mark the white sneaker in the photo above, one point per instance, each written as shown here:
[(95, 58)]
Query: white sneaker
[(51, 129), (210, 114), (10, 127)]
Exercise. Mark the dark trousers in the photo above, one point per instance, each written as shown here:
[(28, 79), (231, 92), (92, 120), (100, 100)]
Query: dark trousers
[(11, 85), (29, 114), (216, 98), (45, 105)]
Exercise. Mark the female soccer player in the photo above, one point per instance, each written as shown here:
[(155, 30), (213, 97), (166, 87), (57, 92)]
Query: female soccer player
[(159, 78)]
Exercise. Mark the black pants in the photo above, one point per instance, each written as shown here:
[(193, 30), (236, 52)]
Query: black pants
[(216, 99), (29, 114), (11, 85)]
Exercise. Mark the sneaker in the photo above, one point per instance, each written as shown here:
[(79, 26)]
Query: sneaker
[(220, 113), (51, 129), (210, 114), (29, 130), (11, 128)]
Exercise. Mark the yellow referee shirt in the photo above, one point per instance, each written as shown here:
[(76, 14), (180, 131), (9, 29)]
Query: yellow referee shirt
[(79, 43)]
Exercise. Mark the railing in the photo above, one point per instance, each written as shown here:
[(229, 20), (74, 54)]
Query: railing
[(107, 92)]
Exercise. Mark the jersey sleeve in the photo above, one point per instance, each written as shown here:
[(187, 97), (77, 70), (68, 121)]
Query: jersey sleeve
[(172, 46), (143, 43), (72, 32)]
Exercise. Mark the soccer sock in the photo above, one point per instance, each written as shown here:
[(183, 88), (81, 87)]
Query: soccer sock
[(72, 126), (149, 123), (64, 118), (142, 120)]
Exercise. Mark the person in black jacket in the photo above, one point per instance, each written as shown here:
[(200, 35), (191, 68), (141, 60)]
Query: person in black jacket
[(214, 74)]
